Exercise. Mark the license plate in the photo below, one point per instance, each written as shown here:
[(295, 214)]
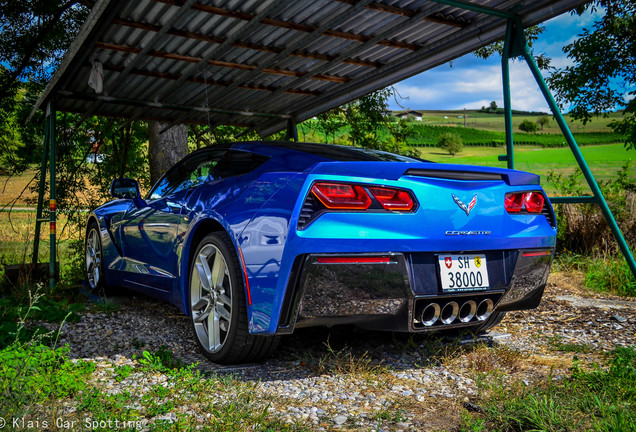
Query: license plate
[(463, 272)]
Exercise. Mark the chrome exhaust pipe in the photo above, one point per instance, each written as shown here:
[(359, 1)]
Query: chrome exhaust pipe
[(430, 314), (467, 311), (449, 312), (484, 310)]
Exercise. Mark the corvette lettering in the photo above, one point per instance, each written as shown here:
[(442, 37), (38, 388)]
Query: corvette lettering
[(466, 233)]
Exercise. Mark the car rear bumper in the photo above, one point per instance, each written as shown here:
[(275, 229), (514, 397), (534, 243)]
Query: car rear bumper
[(402, 292)]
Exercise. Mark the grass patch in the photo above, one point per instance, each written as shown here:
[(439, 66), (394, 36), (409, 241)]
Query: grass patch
[(612, 275), (32, 374), (599, 398), (557, 343)]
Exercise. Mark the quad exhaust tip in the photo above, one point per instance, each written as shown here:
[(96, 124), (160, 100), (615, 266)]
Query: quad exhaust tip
[(452, 311), (484, 310), (430, 314)]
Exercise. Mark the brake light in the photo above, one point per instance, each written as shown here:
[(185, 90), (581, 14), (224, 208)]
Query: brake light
[(514, 202), (342, 196), (392, 199), (534, 202), (353, 259)]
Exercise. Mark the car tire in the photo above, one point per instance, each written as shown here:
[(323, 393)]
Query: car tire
[(94, 260), (494, 319), (218, 308)]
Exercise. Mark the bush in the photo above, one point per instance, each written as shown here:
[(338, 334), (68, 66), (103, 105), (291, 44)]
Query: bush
[(528, 126), (450, 142), (582, 228)]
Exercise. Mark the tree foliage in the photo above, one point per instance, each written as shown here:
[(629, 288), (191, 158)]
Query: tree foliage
[(528, 126), (450, 142), (543, 121), (532, 34), (34, 35), (603, 76)]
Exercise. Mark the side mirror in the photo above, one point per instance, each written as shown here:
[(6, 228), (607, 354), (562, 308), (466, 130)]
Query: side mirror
[(125, 188)]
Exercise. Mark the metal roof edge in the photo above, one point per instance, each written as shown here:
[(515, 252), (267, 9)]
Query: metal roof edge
[(493, 33), (83, 35)]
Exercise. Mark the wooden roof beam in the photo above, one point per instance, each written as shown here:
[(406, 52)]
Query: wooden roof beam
[(240, 44), (169, 76), (293, 26), (224, 64)]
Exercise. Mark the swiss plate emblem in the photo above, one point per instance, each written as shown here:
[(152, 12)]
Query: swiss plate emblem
[(448, 261), (478, 261), (466, 208)]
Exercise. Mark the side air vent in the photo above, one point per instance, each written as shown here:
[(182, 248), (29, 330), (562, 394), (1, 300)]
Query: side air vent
[(453, 175), (548, 213), (309, 211)]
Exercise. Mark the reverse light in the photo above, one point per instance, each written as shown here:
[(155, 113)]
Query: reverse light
[(342, 196), (516, 202), (392, 199)]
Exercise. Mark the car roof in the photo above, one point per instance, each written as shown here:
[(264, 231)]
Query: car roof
[(323, 151)]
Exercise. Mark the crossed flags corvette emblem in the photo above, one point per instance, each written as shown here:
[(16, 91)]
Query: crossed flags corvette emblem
[(466, 208)]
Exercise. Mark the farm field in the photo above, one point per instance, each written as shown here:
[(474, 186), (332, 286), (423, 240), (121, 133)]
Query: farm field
[(604, 160), (495, 122)]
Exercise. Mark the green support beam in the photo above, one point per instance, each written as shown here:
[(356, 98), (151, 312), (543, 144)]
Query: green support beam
[(48, 155), (38, 218), (516, 45), (505, 72), (50, 120)]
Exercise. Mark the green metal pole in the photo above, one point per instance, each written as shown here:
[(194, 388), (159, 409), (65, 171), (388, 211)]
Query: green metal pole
[(600, 199), (38, 218), (50, 111), (505, 71)]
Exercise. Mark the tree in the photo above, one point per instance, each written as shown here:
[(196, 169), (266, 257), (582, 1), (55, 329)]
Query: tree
[(330, 123), (450, 142), (34, 35), (493, 106), (165, 148), (528, 126), (603, 76), (543, 121)]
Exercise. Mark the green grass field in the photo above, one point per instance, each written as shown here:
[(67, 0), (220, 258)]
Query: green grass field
[(604, 160), (495, 122)]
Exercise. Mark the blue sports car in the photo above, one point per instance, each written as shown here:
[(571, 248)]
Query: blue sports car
[(255, 239)]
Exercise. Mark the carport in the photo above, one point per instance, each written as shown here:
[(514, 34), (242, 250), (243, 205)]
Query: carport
[(269, 64)]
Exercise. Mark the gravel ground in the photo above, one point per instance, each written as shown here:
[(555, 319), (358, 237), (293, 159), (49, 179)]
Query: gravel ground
[(345, 378)]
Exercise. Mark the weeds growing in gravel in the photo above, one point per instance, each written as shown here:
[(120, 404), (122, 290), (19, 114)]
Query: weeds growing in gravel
[(600, 398)]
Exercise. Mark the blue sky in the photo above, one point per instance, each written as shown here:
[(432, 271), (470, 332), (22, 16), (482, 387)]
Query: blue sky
[(472, 82)]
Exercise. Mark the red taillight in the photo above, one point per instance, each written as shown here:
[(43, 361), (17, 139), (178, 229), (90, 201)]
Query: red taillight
[(537, 253), (353, 259), (342, 196), (516, 201), (534, 202), (392, 199)]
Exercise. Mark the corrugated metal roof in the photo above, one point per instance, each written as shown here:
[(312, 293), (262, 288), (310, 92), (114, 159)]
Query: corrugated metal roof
[(258, 63)]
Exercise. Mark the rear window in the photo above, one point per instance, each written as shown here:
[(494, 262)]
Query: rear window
[(344, 153)]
